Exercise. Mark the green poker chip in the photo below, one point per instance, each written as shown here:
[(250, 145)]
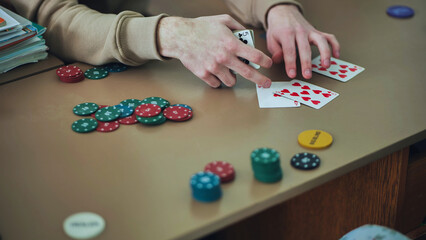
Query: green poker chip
[(107, 114), (157, 120), (84, 109), (266, 165), (133, 103), (96, 73), (84, 125), (163, 103)]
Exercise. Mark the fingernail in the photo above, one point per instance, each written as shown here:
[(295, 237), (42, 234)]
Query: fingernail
[(337, 54), (307, 71), (327, 62), (267, 84), (292, 72)]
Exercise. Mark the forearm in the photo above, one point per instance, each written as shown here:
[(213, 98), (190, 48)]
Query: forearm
[(77, 33), (254, 12)]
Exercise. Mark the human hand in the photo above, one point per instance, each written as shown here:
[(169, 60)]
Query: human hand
[(287, 28), (207, 47)]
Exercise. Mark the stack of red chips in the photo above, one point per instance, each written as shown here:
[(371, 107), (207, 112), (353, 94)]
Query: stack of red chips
[(70, 74)]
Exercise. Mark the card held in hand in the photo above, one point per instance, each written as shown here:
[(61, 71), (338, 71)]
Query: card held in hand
[(247, 37)]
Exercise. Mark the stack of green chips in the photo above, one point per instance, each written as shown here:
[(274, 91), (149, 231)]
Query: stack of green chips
[(266, 166)]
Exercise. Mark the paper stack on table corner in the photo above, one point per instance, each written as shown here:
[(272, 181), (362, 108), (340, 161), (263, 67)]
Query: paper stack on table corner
[(21, 41)]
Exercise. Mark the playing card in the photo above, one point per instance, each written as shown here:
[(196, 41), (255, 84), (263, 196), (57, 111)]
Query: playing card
[(268, 99), (308, 94), (247, 37), (340, 70)]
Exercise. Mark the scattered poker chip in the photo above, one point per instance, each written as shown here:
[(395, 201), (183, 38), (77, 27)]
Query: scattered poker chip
[(224, 170), (305, 161), (70, 74), (84, 125), (100, 107), (163, 103), (147, 110), (107, 126), (315, 139), (190, 114), (96, 73), (68, 71), (399, 11), (84, 225), (176, 113), (115, 67), (157, 120), (266, 165), (125, 110), (183, 105), (107, 114), (84, 109), (128, 120), (205, 187), (133, 103)]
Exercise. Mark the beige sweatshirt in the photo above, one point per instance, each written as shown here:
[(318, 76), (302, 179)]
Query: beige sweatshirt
[(78, 33)]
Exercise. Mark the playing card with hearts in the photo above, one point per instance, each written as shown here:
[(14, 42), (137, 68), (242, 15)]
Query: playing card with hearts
[(308, 94), (339, 70), (268, 99), (247, 37)]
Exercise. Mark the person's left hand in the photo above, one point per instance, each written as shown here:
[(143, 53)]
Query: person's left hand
[(288, 29)]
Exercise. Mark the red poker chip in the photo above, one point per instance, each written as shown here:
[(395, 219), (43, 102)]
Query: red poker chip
[(186, 118), (100, 107), (147, 110), (176, 113), (128, 120), (107, 126), (72, 80), (68, 71), (223, 169)]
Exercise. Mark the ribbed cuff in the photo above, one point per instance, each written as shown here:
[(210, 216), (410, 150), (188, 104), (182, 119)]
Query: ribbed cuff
[(263, 7), (137, 39)]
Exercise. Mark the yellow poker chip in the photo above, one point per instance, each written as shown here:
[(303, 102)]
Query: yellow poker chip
[(315, 139)]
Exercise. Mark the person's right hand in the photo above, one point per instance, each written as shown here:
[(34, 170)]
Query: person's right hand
[(207, 47)]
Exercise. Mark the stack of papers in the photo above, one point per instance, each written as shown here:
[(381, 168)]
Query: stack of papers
[(21, 41)]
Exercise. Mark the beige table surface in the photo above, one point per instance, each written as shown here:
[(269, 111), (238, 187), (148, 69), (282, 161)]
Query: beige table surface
[(137, 177), (30, 69)]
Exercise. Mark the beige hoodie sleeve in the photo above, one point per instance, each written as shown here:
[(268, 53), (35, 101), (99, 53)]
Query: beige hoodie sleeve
[(254, 12), (77, 33)]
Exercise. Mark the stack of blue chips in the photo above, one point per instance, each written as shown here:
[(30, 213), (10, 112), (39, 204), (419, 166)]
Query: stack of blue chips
[(205, 186)]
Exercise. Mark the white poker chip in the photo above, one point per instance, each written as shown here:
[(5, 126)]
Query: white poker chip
[(84, 225)]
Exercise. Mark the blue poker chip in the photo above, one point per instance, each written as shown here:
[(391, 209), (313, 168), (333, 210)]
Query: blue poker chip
[(125, 110), (115, 67), (205, 186), (399, 11), (183, 105)]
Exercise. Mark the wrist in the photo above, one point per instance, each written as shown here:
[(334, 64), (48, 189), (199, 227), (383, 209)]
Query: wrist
[(166, 36), (280, 9)]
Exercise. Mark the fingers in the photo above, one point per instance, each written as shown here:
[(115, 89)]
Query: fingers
[(289, 51), (334, 44), (275, 49), (304, 55), (208, 78), (222, 73), (321, 42), (249, 73), (253, 55), (230, 22)]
